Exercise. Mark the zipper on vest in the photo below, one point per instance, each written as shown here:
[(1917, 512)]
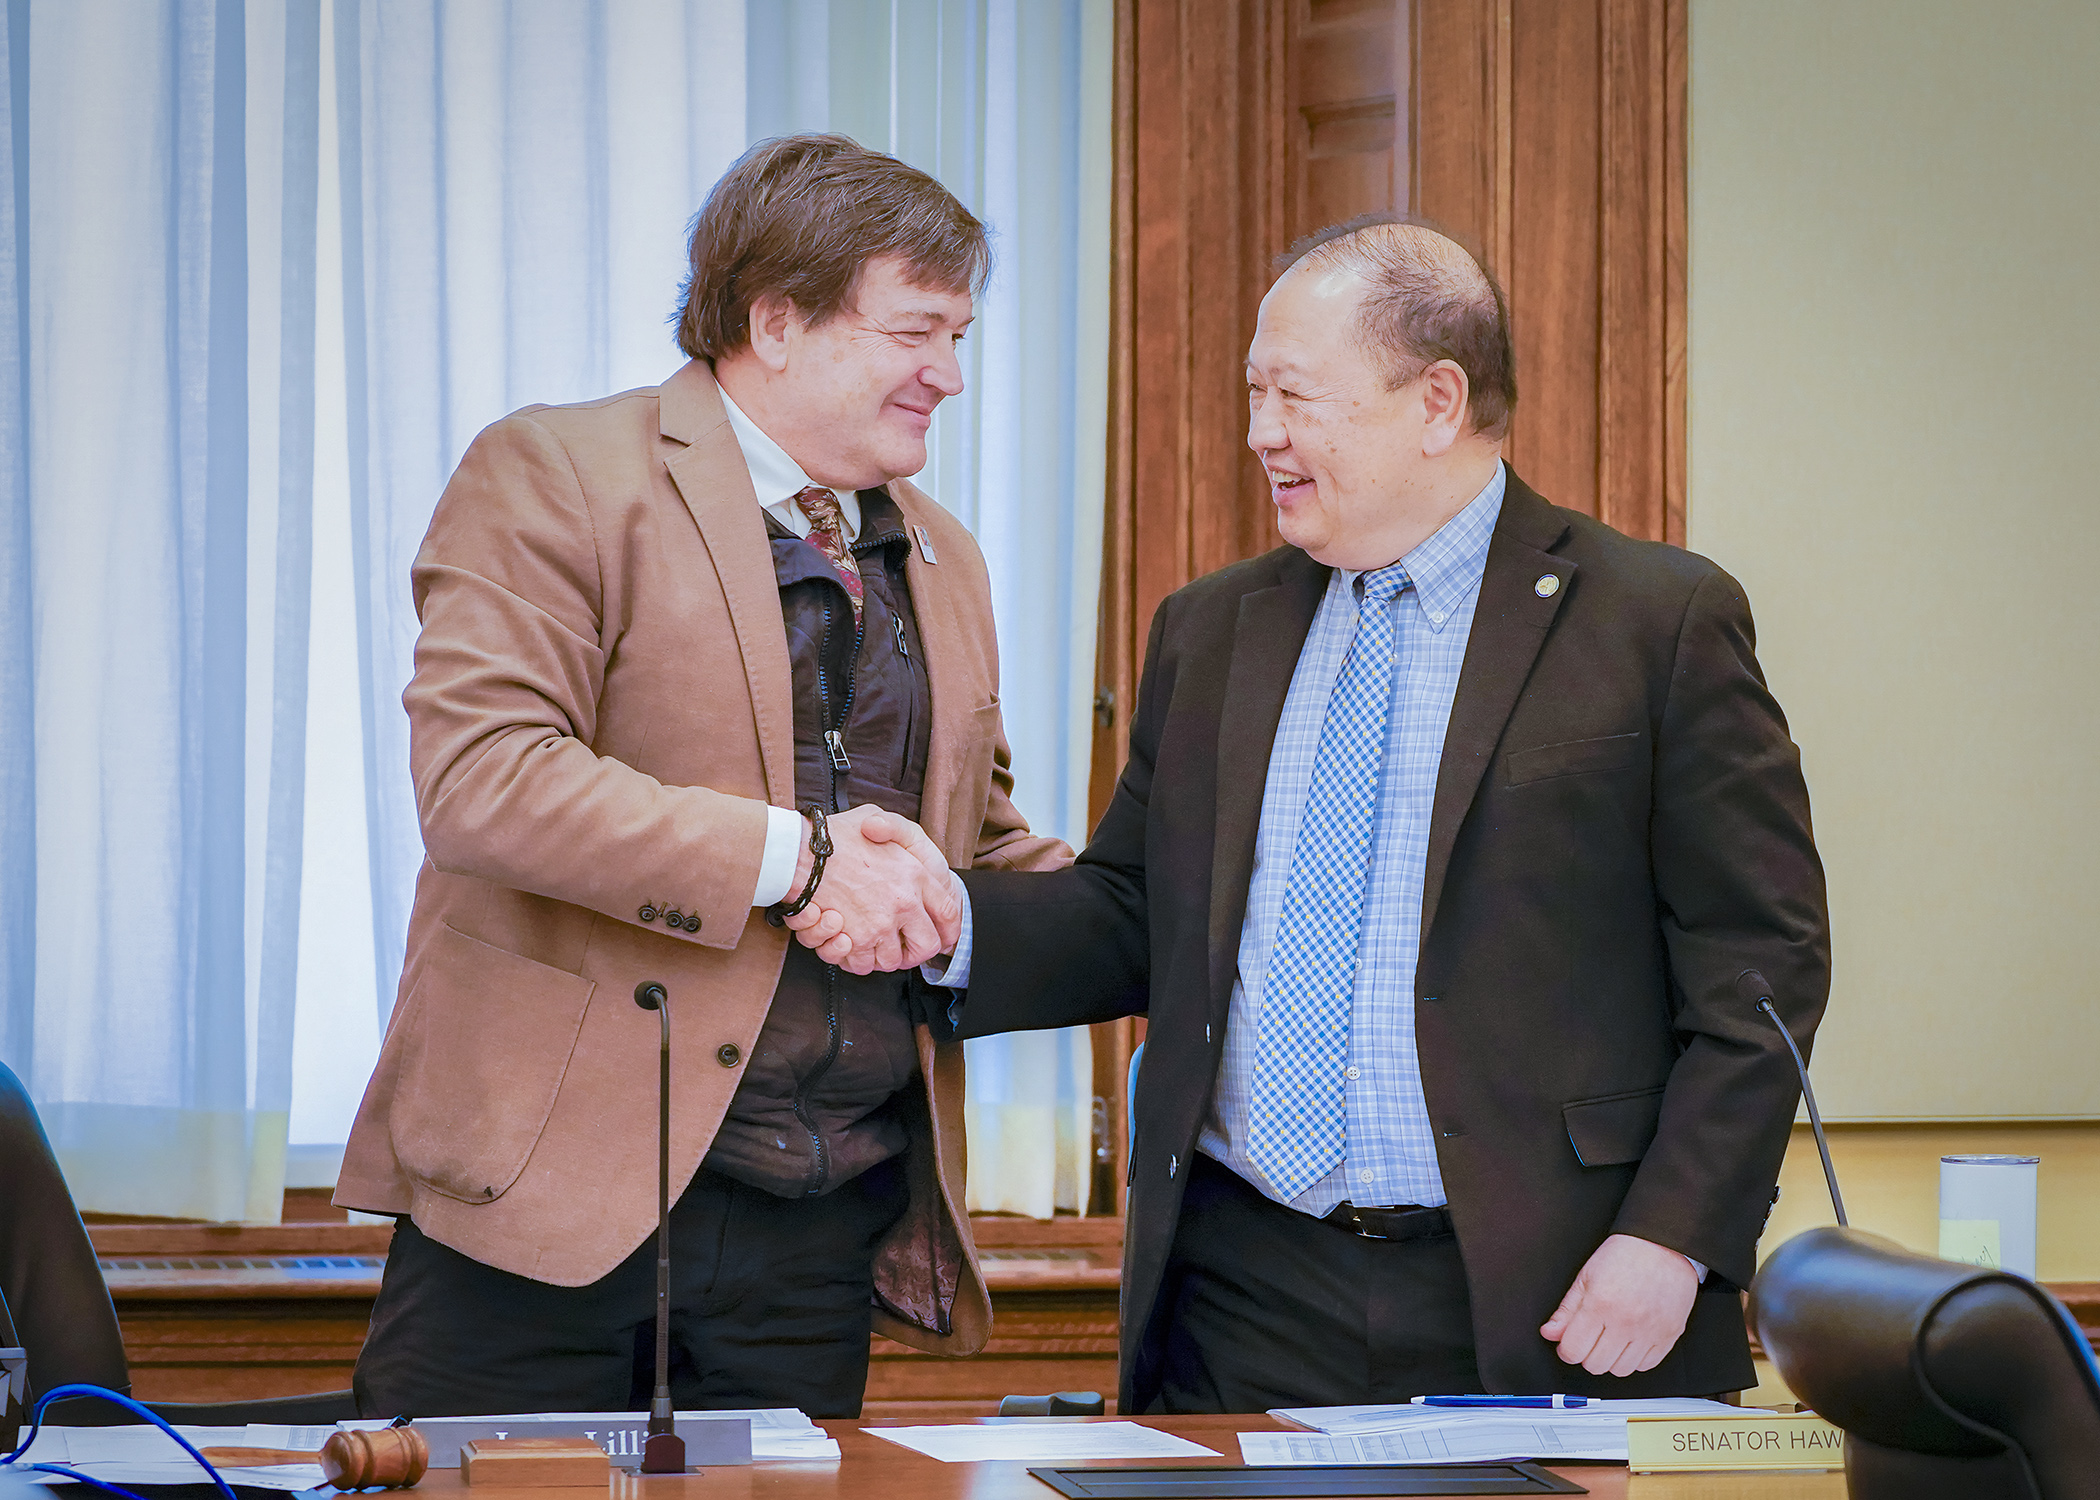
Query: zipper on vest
[(903, 650), (819, 1153), (835, 736)]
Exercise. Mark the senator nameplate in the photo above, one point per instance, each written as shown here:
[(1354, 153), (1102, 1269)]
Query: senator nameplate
[(1755, 1440)]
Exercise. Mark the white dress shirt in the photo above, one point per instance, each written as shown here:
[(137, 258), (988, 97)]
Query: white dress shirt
[(776, 479)]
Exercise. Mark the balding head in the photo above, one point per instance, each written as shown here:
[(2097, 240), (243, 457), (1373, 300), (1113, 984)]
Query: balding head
[(1424, 299)]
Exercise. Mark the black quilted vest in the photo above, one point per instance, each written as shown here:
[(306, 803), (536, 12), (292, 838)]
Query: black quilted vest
[(816, 1106)]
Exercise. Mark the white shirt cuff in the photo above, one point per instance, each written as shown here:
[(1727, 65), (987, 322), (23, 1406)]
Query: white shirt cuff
[(776, 867), (955, 974)]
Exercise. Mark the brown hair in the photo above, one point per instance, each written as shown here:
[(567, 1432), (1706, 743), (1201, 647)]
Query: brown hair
[(797, 217), (1428, 299)]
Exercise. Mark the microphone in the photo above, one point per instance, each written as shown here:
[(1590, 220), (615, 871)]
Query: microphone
[(663, 1452), (1755, 989)]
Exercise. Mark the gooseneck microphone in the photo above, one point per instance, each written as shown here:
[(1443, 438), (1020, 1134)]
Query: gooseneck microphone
[(663, 1452), (1756, 990)]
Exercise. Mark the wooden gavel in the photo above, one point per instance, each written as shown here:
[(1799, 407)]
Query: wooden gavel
[(384, 1458)]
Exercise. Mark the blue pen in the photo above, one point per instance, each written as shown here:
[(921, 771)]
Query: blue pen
[(1547, 1401)]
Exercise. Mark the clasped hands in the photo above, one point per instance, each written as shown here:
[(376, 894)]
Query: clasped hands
[(887, 899)]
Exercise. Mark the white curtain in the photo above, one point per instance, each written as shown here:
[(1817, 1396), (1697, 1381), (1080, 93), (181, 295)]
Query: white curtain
[(268, 266), (153, 667), (1008, 103)]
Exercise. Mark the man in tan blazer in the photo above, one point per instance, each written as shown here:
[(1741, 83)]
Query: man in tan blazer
[(679, 647)]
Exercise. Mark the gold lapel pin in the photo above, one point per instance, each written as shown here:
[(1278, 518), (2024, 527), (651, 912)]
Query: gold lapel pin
[(1547, 586)]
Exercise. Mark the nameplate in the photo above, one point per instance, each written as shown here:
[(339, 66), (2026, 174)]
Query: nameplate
[(709, 1440), (1754, 1440)]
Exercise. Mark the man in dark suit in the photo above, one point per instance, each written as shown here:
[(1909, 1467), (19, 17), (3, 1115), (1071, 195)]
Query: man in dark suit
[(1446, 834)]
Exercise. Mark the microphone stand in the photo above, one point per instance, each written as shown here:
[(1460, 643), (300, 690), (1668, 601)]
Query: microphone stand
[(1750, 981), (664, 1450)]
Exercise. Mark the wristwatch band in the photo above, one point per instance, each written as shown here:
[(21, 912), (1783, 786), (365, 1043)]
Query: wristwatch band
[(819, 851)]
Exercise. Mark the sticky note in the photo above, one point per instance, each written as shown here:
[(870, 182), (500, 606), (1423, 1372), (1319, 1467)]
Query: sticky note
[(1972, 1241)]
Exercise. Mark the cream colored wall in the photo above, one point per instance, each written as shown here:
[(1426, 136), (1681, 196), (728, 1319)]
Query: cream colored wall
[(1890, 1178), (1895, 434), (1895, 439)]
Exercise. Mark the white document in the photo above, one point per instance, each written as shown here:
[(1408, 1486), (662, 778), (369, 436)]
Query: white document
[(1448, 1443), (1039, 1442), (784, 1432), (1362, 1419), (276, 1477), (1462, 1434), (143, 1454)]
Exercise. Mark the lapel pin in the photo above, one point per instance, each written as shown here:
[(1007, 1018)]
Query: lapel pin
[(1547, 586), (925, 544)]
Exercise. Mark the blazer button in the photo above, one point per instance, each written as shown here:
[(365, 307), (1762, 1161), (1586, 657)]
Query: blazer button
[(647, 914), (675, 919), (692, 924), (728, 1055)]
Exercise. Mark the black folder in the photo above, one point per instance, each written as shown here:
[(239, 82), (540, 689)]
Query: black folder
[(1304, 1481)]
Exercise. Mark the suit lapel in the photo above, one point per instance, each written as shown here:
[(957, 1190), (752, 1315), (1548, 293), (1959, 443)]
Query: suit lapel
[(715, 483), (1266, 642), (1509, 630)]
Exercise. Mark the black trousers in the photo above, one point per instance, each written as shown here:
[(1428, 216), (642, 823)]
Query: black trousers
[(770, 1306), (1267, 1307)]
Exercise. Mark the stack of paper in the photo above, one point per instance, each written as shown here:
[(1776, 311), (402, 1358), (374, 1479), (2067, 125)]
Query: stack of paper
[(1414, 1434), (782, 1432), (1039, 1442), (143, 1454)]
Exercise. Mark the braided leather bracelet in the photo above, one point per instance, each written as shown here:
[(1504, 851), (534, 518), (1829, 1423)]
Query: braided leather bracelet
[(819, 851)]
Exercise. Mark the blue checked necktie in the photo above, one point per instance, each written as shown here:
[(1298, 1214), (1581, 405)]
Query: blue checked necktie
[(1298, 1130)]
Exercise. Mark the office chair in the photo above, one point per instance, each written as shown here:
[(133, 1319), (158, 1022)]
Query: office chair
[(55, 1305), (1951, 1382)]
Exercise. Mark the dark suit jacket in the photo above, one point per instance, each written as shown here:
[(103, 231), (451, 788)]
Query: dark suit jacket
[(1620, 829)]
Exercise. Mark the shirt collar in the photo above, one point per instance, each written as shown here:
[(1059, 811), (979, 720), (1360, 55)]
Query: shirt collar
[(1450, 563), (777, 478)]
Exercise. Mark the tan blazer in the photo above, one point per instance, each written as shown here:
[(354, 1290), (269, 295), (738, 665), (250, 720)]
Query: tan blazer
[(599, 717)]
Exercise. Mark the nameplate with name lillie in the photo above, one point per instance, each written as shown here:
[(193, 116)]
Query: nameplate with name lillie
[(1755, 1440), (723, 1438)]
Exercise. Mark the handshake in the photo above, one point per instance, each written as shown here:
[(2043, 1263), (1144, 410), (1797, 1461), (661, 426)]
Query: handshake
[(886, 900)]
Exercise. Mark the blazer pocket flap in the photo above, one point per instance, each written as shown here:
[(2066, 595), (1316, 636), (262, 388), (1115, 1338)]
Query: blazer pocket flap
[(1613, 1128), (1574, 758), (489, 1036)]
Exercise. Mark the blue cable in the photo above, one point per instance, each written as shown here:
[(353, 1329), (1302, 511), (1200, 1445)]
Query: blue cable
[(36, 1420)]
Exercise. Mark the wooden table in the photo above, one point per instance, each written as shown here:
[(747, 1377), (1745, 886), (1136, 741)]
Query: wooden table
[(871, 1469)]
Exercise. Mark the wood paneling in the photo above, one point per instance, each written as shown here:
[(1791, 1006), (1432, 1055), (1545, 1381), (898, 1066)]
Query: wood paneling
[(231, 1348), (1344, 147), (1546, 134), (1549, 135)]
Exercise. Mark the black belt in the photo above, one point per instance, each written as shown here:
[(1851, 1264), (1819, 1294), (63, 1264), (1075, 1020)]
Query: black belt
[(1406, 1222)]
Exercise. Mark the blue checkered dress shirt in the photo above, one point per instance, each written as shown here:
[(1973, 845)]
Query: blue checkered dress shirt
[(1390, 1151)]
